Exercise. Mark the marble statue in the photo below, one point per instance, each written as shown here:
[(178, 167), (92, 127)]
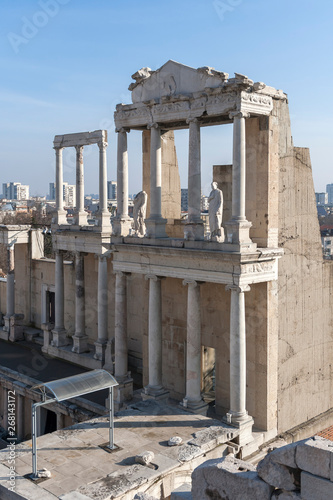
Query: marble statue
[(140, 205), (215, 201)]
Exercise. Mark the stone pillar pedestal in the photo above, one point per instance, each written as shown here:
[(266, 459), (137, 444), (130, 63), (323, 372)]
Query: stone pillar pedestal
[(238, 228), (193, 401), (102, 305), (59, 333), (123, 392), (155, 224), (47, 329), (122, 223), (194, 229), (237, 415), (10, 287), (155, 389), (109, 356), (61, 213), (16, 327), (80, 339), (60, 421)]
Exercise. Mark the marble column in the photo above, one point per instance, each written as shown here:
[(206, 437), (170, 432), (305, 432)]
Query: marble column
[(59, 332), (61, 213), (238, 227), (80, 339), (102, 308), (122, 222), (237, 414), (124, 391), (155, 388), (155, 224), (103, 215), (193, 400), (10, 287), (194, 229), (81, 215)]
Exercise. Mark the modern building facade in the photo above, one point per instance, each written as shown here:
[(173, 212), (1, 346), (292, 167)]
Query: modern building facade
[(15, 191)]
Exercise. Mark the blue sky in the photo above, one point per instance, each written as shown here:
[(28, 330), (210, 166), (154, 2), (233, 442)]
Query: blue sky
[(65, 64)]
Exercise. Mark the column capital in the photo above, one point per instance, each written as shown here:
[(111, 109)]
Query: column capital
[(192, 283), (238, 288), (102, 145), (58, 148), (192, 119), (80, 254), (238, 114), (122, 130), (121, 273), (153, 125), (79, 149), (153, 277)]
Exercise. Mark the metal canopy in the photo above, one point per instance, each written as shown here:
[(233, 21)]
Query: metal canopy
[(78, 385)]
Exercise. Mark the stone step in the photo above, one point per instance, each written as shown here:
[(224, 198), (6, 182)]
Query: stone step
[(183, 492), (31, 333)]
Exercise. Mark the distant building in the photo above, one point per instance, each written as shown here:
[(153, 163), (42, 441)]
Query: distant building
[(15, 191), (321, 198), (204, 203), (184, 200), (329, 190), (69, 193), (112, 190)]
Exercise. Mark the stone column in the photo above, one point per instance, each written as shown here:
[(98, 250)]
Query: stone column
[(59, 332), (155, 224), (104, 215), (238, 227), (81, 215), (237, 414), (60, 421), (155, 388), (122, 223), (80, 339), (193, 400), (124, 391), (10, 287), (61, 213), (194, 229), (102, 308)]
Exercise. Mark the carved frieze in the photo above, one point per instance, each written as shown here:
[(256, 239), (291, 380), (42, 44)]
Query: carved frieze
[(254, 103), (171, 111)]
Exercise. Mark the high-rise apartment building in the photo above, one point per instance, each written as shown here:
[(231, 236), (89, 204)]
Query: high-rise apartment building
[(69, 193), (112, 190), (15, 191), (329, 191)]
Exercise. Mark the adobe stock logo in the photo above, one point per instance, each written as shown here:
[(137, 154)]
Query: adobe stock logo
[(30, 27)]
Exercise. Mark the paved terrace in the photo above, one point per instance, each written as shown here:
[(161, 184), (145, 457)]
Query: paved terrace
[(78, 463)]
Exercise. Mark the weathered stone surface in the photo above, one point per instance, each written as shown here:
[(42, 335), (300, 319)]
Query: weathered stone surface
[(175, 441), (145, 457), (144, 496), (188, 451), (314, 455), (183, 492), (315, 487), (278, 475), (286, 455), (286, 495), (228, 478)]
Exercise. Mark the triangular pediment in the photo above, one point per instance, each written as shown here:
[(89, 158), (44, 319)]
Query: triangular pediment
[(171, 79)]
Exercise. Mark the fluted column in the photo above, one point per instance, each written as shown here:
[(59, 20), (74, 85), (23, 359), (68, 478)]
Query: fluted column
[(81, 215), (155, 224), (238, 227), (102, 308), (10, 286), (103, 215), (193, 400), (237, 414), (155, 388), (194, 229), (59, 332), (122, 223), (80, 339), (61, 213)]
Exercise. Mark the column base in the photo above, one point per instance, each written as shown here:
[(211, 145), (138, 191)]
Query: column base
[(104, 221), (81, 219), (194, 231), (100, 348), (155, 228), (157, 393), (60, 338), (80, 344), (47, 335), (6, 320), (122, 392), (61, 217), (244, 424), (16, 328), (109, 357), (198, 407), (238, 234), (121, 226)]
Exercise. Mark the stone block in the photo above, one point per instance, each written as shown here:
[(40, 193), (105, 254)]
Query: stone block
[(145, 458), (286, 455), (315, 487), (228, 478), (278, 475), (183, 492), (286, 495), (314, 455)]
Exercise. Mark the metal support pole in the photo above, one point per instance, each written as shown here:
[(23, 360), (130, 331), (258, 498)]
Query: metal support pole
[(111, 424)]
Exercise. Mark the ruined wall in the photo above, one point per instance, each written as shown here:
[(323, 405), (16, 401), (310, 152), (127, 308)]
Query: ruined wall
[(305, 319)]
